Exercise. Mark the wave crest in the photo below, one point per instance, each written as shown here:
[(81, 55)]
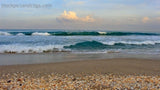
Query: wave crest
[(83, 33), (132, 42), (102, 33), (94, 45), (20, 34), (4, 33), (40, 34), (87, 45)]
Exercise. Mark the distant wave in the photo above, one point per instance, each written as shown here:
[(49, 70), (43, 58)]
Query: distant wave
[(82, 33), (102, 33), (4, 33), (132, 42), (43, 34), (20, 34)]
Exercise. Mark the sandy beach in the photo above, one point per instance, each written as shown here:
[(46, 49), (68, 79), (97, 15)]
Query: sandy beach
[(125, 66), (89, 74), (80, 45)]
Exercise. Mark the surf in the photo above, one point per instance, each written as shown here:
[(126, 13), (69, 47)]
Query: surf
[(76, 33)]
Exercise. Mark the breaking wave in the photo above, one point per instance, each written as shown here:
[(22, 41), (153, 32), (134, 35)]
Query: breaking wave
[(133, 42), (70, 33), (4, 33), (32, 49), (87, 46), (94, 45), (41, 41), (43, 34), (20, 34)]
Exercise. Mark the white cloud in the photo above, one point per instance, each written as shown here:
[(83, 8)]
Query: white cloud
[(72, 16), (145, 19)]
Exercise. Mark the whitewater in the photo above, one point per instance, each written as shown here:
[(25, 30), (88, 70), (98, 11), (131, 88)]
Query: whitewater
[(52, 41)]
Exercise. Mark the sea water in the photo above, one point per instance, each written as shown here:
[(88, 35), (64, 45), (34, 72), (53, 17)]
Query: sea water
[(79, 42)]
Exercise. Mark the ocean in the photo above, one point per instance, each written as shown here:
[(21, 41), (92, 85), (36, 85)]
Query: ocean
[(79, 42)]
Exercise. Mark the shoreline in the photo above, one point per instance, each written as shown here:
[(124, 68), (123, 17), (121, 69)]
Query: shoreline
[(116, 65)]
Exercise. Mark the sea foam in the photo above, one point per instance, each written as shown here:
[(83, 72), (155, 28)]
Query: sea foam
[(41, 34), (102, 33), (4, 33), (133, 42), (31, 49)]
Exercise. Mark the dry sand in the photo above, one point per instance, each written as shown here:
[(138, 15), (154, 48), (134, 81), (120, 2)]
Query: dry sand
[(95, 74)]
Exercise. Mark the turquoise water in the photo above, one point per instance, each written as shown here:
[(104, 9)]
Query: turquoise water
[(49, 41)]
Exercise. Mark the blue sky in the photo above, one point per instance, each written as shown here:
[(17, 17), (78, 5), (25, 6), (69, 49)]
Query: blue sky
[(118, 15)]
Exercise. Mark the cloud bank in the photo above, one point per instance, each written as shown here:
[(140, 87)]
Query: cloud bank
[(72, 17)]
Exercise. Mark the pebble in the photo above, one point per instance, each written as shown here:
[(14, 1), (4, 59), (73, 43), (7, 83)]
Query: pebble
[(80, 81), (8, 81)]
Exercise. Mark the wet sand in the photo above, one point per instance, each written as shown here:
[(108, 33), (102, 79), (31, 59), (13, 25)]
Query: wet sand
[(126, 66), (95, 74)]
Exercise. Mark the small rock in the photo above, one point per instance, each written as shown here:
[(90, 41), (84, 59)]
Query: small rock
[(74, 79), (8, 81), (19, 79)]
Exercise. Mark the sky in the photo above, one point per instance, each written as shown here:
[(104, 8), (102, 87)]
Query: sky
[(113, 15)]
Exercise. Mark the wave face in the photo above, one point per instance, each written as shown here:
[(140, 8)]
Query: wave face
[(94, 45), (42, 41), (87, 45), (70, 33)]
